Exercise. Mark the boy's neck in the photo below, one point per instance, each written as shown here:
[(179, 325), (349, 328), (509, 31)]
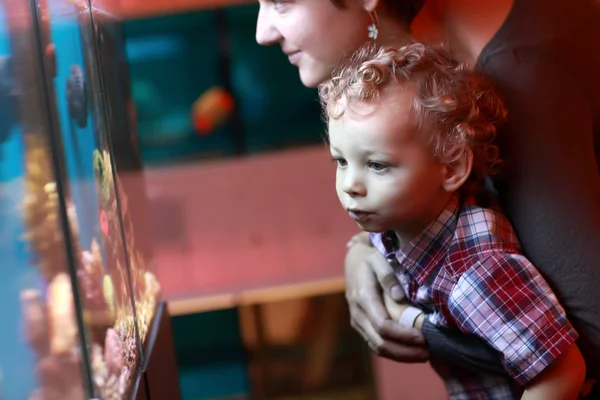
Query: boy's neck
[(406, 234)]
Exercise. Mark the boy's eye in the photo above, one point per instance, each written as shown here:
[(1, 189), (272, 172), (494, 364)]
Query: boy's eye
[(340, 162), (378, 166)]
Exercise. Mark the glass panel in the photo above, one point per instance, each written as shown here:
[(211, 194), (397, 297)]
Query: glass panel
[(104, 275), (40, 343), (121, 137)]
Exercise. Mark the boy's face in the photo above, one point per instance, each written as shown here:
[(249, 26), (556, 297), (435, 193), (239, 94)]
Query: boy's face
[(386, 178)]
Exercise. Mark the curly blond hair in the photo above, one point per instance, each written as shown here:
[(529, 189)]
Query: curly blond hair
[(454, 108)]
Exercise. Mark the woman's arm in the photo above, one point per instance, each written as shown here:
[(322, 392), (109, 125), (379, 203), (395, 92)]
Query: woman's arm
[(551, 186), (367, 272), (368, 275), (455, 348)]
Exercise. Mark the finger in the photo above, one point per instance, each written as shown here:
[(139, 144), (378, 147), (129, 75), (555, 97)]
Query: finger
[(371, 302), (356, 318), (362, 324), (393, 331), (401, 353), (393, 308), (360, 237), (386, 276), (368, 299), (406, 351)]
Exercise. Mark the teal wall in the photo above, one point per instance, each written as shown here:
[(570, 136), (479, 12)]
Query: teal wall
[(174, 59), (210, 355)]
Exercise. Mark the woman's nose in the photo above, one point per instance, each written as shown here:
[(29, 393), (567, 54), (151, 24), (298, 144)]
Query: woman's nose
[(266, 33)]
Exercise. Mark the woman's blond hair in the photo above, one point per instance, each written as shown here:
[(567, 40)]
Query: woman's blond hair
[(454, 108)]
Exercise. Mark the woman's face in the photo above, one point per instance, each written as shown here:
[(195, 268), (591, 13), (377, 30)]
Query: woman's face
[(314, 34)]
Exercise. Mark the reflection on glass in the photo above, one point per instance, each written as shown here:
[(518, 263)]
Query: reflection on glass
[(109, 317), (228, 97), (40, 341), (78, 297), (116, 130)]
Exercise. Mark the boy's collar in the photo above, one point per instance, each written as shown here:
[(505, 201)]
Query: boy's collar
[(422, 254)]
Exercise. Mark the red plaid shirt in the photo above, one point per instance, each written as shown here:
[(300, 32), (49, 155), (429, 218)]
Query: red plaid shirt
[(467, 271)]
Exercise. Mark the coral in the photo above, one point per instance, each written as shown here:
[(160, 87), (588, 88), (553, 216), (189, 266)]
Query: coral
[(109, 292), (61, 315), (90, 279), (103, 175), (40, 209), (113, 367), (145, 310), (35, 322), (110, 386), (152, 287), (113, 352), (61, 374), (49, 324)]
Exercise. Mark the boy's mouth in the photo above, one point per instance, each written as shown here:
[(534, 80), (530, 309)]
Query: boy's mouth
[(359, 215)]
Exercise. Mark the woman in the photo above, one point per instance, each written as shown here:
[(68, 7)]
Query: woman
[(544, 56)]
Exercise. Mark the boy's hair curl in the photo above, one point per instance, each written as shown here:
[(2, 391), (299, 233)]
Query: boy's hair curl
[(454, 108)]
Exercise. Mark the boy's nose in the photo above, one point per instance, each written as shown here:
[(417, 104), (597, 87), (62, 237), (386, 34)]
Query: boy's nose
[(353, 185)]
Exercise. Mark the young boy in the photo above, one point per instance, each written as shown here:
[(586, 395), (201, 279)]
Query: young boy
[(411, 132)]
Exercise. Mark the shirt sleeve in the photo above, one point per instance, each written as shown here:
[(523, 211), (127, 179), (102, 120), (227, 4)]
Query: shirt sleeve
[(506, 302)]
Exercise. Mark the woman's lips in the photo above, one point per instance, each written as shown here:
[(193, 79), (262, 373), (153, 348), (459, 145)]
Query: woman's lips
[(294, 58)]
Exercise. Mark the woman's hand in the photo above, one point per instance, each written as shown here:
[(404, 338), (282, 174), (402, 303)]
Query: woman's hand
[(395, 311), (368, 275)]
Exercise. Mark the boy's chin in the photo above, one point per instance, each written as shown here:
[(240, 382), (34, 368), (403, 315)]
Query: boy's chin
[(370, 227)]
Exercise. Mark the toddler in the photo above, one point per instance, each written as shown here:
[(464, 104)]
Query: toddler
[(411, 131)]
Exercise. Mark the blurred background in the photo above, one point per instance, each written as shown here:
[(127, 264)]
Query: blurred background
[(167, 204)]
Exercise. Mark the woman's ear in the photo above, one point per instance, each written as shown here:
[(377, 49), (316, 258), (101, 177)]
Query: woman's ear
[(457, 172), (370, 5)]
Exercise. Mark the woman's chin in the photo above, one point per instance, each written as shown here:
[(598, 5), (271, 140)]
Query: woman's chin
[(311, 78)]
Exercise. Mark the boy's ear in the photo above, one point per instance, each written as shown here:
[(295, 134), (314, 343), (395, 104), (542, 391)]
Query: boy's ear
[(456, 173)]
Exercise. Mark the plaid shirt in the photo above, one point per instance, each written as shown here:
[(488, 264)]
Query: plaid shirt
[(467, 271)]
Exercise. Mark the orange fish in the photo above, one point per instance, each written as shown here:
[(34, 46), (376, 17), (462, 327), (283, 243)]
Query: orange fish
[(211, 110)]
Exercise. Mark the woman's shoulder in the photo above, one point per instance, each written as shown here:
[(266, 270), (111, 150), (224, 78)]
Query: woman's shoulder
[(546, 29)]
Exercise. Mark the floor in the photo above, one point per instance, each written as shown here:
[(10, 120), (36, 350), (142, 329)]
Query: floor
[(218, 360), (356, 393)]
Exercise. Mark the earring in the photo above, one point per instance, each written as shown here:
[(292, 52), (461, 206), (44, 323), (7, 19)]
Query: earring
[(373, 27)]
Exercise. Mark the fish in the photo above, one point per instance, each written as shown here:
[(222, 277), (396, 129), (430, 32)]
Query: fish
[(76, 97), (211, 110), (8, 109)]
